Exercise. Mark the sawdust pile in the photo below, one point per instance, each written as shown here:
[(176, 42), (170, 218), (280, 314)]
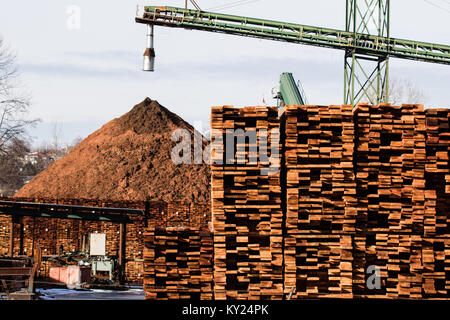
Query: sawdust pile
[(129, 158)]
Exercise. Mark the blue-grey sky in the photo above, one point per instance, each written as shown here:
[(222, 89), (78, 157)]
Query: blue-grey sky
[(82, 78)]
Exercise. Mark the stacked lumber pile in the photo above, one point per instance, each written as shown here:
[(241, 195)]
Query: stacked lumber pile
[(45, 232), (246, 206), (390, 160), (50, 234), (67, 234), (5, 222), (318, 266), (399, 259), (320, 200), (437, 172), (320, 187), (178, 264), (436, 266), (386, 206), (159, 214), (200, 215), (436, 242), (401, 163), (178, 215), (134, 271)]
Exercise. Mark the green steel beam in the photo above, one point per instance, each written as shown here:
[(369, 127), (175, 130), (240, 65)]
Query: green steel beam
[(45, 210), (366, 77), (357, 42), (290, 93), (62, 215)]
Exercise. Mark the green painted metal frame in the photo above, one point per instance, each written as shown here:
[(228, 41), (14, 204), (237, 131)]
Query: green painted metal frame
[(296, 33), (357, 42), (45, 210), (366, 76), (290, 92)]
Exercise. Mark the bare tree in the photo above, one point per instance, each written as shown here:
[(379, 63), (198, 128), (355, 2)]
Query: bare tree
[(14, 107), (402, 91), (14, 103), (57, 133), (11, 167)]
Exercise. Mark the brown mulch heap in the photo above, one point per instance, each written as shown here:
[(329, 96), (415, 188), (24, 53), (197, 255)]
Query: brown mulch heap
[(129, 158)]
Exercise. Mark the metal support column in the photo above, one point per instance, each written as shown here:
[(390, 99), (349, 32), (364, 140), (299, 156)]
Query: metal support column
[(21, 226), (11, 237), (122, 251), (366, 76)]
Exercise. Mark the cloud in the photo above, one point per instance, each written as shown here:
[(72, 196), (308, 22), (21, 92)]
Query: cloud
[(76, 70), (112, 55)]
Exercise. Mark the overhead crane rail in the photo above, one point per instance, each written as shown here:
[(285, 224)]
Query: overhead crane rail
[(361, 43)]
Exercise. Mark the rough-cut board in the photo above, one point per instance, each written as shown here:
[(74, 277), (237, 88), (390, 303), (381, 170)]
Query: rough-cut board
[(368, 187), (320, 178), (390, 164), (318, 265), (246, 206), (178, 264), (437, 172)]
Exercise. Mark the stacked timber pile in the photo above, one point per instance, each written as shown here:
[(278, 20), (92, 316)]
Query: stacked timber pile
[(390, 160), (200, 215), (390, 163), (399, 259), (436, 241), (400, 173), (53, 234), (5, 222), (178, 264), (436, 266), (246, 207), (320, 184), (320, 200), (437, 172), (368, 188)]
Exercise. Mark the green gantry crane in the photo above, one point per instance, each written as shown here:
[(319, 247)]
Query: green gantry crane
[(367, 51), (289, 92)]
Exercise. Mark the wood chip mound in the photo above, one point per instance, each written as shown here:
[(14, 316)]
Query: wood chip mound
[(129, 158)]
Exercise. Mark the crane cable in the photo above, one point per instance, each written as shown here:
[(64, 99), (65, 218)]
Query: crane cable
[(438, 6), (232, 4), (195, 5)]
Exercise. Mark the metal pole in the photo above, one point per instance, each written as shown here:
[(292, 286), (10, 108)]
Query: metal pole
[(380, 20), (348, 9), (388, 35), (11, 237), (122, 241), (353, 78), (21, 237), (122, 250), (149, 54), (346, 85), (347, 27), (149, 36), (387, 81)]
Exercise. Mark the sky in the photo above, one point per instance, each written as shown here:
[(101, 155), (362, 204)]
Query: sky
[(82, 75)]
